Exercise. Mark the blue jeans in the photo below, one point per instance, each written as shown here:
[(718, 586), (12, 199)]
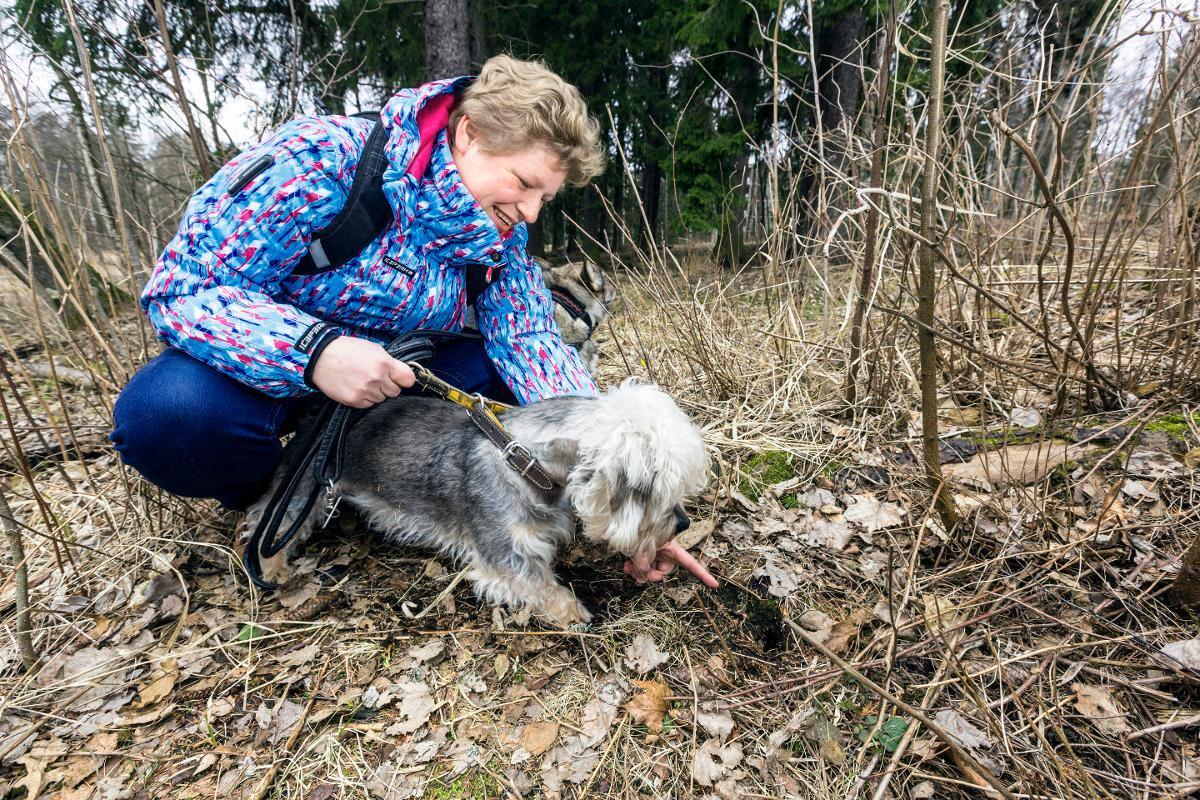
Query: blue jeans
[(197, 432)]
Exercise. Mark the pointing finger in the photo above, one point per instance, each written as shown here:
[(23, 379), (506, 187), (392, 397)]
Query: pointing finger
[(686, 560)]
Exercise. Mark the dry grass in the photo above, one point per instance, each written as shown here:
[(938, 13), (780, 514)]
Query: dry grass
[(1040, 610)]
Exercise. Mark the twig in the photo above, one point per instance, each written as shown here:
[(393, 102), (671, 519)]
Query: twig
[(1181, 722)]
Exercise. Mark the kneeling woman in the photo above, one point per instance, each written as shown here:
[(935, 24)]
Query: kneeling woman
[(257, 319)]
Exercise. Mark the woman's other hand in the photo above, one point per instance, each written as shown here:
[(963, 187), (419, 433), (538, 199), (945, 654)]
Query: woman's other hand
[(359, 373), (643, 568)]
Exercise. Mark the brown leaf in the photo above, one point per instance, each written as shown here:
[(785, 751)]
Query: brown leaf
[(847, 629), (1100, 707), (167, 672), (322, 791), (649, 704), (940, 614), (538, 737), (827, 738), (697, 533)]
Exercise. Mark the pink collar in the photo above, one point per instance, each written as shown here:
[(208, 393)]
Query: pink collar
[(431, 119)]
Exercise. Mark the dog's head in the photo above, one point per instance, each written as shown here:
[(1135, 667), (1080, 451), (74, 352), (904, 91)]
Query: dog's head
[(582, 297), (640, 457)]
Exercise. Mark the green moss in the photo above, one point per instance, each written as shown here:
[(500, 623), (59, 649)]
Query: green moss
[(479, 786), (764, 469), (1173, 425), (832, 468)]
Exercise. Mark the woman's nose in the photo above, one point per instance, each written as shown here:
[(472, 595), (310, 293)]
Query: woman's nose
[(530, 209)]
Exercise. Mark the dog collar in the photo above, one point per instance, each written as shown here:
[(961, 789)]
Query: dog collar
[(573, 307), (483, 412)]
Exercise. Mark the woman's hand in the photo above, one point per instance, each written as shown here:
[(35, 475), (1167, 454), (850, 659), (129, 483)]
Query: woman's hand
[(643, 568), (359, 373)]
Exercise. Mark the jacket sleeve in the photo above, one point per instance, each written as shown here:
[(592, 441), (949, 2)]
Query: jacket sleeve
[(243, 233), (516, 317)]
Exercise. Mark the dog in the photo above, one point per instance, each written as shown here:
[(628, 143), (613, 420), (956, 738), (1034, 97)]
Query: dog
[(420, 472), (582, 299)]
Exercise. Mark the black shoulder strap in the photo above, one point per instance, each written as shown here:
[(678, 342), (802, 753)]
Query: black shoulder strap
[(362, 219)]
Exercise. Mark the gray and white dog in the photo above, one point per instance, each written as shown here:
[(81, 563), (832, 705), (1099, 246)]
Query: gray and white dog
[(582, 300), (423, 474)]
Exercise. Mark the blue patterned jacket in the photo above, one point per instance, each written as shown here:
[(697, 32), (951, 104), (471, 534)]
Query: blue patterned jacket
[(223, 289)]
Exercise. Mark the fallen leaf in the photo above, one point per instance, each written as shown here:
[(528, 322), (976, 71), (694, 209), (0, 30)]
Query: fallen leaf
[(295, 596), (872, 514), (718, 724), (1139, 491), (845, 630), (1100, 707), (299, 656), (1152, 464), (782, 581), (414, 709), (1185, 653), (713, 760), (971, 739), (817, 623), (827, 738), (601, 710), (167, 673), (643, 655), (940, 614), (279, 720), (817, 498), (538, 737), (649, 705), (833, 534)]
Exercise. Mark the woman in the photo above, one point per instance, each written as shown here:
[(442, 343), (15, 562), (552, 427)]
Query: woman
[(469, 163)]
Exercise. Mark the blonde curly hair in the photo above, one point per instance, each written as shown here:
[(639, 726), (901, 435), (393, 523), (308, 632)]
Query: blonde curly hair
[(515, 103)]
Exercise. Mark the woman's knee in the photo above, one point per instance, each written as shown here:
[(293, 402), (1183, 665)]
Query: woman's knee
[(193, 431)]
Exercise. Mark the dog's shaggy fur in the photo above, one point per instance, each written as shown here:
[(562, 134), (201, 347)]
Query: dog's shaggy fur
[(424, 474)]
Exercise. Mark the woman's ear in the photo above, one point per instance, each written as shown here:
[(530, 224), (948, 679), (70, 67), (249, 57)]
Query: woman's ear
[(464, 134)]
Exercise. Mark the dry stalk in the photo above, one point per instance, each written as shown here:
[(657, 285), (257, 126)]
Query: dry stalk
[(943, 500), (21, 571)]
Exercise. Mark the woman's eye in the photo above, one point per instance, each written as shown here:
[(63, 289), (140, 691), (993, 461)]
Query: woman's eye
[(522, 181)]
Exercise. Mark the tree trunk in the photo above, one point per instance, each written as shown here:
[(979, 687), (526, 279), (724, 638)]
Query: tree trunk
[(839, 65), (883, 96), (927, 282), (447, 46), (106, 219), (479, 34)]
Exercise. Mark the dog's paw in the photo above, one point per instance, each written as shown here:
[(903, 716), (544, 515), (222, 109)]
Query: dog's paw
[(278, 568), (564, 610)]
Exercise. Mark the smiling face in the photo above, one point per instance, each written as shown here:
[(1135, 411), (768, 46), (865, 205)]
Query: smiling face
[(511, 187)]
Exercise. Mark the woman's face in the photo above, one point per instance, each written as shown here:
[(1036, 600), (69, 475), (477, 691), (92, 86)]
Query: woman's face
[(511, 187)]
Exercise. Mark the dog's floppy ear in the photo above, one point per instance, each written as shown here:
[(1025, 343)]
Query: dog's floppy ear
[(593, 278)]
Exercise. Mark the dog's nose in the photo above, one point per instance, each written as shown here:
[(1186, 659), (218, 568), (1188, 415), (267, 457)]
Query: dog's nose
[(682, 522)]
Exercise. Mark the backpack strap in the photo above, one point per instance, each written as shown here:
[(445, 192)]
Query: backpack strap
[(361, 220)]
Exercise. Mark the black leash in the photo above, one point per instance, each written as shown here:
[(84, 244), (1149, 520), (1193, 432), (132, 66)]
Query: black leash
[(322, 444)]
